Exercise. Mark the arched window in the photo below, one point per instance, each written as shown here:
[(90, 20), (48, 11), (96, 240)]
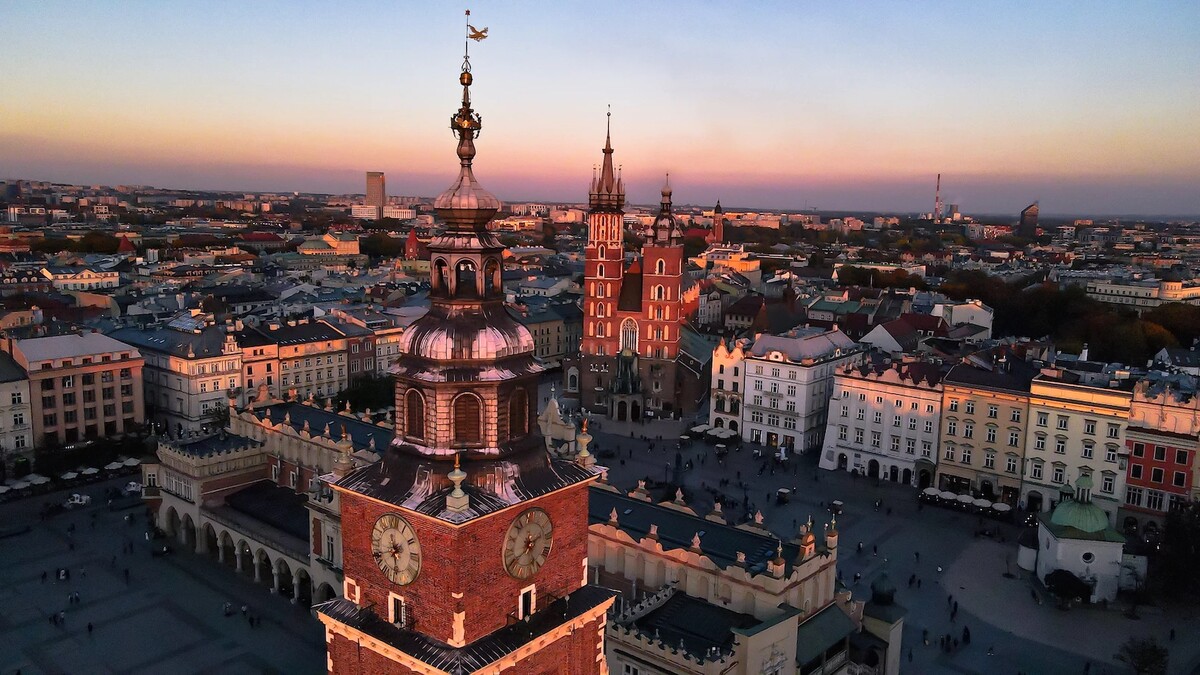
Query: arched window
[(600, 270), (720, 404), (464, 279), (629, 335), (573, 379), (601, 251), (518, 414), (600, 309), (491, 276), (467, 419), (659, 292), (441, 278), (734, 406), (414, 407), (719, 423), (660, 267)]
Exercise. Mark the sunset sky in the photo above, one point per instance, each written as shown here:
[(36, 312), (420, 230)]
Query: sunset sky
[(1090, 107)]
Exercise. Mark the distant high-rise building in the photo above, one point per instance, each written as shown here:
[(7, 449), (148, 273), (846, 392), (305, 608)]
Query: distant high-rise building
[(376, 189), (1029, 220)]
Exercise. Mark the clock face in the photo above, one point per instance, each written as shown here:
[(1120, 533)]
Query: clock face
[(395, 548), (528, 543)]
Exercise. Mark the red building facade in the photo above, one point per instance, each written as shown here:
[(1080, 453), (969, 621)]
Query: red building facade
[(1164, 420)]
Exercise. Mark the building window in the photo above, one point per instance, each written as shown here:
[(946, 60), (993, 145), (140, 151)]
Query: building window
[(1043, 419), (1135, 471), (1060, 474), (1139, 449), (950, 452), (467, 419), (1133, 495), (17, 398), (1108, 483), (1181, 457), (878, 417), (845, 411), (1062, 422), (1089, 427), (970, 407), (896, 421), (858, 436), (912, 424), (1010, 464), (842, 433), (526, 607), (926, 448), (414, 406), (951, 428), (1179, 479), (966, 455), (1015, 416), (1114, 431), (989, 460), (1088, 451), (953, 405), (993, 412), (968, 430), (1035, 470), (910, 446), (861, 414), (1060, 446), (1154, 500), (518, 414), (929, 426), (1160, 453), (895, 446), (1014, 439), (1039, 443), (991, 434), (1156, 475)]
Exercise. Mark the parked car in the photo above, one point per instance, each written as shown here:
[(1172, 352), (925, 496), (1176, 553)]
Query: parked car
[(76, 501)]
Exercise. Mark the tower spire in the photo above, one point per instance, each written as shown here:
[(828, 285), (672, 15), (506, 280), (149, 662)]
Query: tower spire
[(607, 193)]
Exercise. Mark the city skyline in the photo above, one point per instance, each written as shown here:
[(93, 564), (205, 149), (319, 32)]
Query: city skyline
[(849, 109)]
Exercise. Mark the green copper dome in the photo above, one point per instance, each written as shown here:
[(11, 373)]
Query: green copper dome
[(1080, 513)]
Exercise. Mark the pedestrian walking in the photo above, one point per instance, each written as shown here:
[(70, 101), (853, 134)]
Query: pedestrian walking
[(991, 651), (244, 610), (966, 636), (949, 600), (875, 550), (43, 576), (89, 628), (126, 576), (1172, 636), (917, 556)]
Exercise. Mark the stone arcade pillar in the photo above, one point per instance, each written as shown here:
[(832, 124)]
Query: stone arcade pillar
[(296, 586), (274, 580), (220, 552), (239, 558), (257, 571)]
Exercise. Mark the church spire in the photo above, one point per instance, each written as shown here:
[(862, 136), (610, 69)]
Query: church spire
[(608, 193)]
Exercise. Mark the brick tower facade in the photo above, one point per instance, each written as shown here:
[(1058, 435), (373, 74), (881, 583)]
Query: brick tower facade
[(465, 546), (628, 366)]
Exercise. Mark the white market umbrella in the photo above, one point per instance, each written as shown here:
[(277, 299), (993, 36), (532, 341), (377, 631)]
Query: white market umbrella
[(4, 488), (1001, 507), (19, 485), (720, 446), (931, 491), (38, 480), (966, 499), (715, 432), (132, 461), (90, 471), (700, 428), (982, 503), (948, 495), (70, 475), (113, 466)]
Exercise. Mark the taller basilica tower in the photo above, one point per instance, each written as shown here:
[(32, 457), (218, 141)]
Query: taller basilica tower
[(465, 546)]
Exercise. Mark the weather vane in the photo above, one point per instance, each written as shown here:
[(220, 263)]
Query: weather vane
[(475, 34)]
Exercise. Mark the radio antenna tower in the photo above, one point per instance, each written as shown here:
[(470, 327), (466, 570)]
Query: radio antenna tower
[(937, 200)]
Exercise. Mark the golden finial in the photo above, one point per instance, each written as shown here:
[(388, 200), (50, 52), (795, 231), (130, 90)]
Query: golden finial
[(456, 454)]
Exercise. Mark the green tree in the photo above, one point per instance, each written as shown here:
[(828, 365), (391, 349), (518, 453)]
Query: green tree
[(1176, 566), (1144, 655), (380, 245), (1183, 321)]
